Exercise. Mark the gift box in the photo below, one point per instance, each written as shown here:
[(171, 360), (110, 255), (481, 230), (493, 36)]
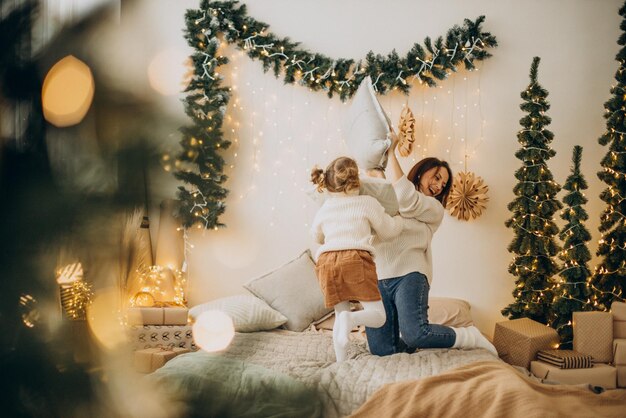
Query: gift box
[(618, 309), (565, 359), (593, 335), (619, 352), (168, 315), (598, 375), (519, 340), (619, 329), (150, 359), (621, 376), (151, 336)]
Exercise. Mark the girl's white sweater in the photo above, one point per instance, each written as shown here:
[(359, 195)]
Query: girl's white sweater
[(348, 222)]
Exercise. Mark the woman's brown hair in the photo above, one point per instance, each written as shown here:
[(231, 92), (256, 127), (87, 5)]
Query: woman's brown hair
[(423, 166), (341, 175)]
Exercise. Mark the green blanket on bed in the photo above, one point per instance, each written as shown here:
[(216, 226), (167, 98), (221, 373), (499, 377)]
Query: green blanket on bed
[(212, 386)]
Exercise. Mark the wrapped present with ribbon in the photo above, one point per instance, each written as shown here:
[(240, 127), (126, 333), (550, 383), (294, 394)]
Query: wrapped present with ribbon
[(168, 314), (566, 359), (150, 359)]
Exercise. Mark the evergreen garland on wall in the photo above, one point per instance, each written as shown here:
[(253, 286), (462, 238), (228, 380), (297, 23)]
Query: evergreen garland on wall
[(571, 293), (533, 210), (200, 164), (609, 279)]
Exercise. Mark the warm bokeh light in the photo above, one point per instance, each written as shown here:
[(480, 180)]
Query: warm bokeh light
[(213, 331), (67, 92), (104, 318), (168, 71)]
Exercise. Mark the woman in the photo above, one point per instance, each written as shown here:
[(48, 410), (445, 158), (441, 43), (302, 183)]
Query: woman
[(404, 264)]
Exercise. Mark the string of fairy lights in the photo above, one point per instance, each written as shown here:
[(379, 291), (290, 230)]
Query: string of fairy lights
[(462, 45)]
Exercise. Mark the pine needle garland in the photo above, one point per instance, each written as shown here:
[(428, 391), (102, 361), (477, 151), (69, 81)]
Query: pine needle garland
[(200, 163)]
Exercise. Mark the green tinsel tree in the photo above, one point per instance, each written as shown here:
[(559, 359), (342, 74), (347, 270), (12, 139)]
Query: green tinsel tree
[(571, 293), (533, 210), (609, 279)]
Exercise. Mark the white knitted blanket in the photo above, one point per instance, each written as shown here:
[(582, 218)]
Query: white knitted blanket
[(309, 358)]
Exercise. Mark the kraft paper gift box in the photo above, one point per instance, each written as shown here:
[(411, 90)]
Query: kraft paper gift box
[(619, 329), (151, 336), (519, 340), (619, 351), (598, 375), (168, 315), (621, 376), (593, 335), (618, 309), (150, 359)]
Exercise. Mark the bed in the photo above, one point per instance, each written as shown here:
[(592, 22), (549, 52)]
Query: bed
[(259, 365), (268, 371)]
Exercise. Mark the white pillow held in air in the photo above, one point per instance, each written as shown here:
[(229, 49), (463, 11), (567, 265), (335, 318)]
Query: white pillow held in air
[(368, 133)]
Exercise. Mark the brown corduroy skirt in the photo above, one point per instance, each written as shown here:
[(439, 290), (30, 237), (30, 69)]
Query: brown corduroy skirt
[(347, 275)]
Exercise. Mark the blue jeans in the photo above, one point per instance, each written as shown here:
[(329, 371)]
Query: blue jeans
[(406, 304)]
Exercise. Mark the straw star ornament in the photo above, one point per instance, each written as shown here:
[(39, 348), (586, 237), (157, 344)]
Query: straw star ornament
[(468, 197), (406, 126)]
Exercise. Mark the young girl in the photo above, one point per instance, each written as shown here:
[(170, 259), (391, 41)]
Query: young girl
[(345, 268)]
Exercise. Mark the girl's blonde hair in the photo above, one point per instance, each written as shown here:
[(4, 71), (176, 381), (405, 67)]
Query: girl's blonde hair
[(341, 175)]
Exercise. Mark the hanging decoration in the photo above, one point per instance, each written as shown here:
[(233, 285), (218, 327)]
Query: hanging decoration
[(200, 164), (468, 197), (406, 128)]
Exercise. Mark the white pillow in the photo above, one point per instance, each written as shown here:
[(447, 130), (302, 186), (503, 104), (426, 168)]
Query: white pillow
[(379, 189), (248, 313), (368, 132), (293, 290)]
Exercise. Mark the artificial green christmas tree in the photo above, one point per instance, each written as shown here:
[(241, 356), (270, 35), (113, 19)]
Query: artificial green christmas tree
[(533, 210), (571, 292), (609, 279)]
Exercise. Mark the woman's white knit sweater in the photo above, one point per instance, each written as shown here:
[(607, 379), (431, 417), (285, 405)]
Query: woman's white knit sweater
[(347, 222), (411, 250)]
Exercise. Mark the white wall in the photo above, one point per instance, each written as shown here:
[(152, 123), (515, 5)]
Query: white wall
[(281, 131)]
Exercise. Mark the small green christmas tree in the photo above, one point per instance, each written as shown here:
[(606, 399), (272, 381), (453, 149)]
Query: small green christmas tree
[(609, 279), (572, 293), (533, 210)]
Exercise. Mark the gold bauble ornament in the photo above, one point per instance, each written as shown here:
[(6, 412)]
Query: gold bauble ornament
[(406, 134), (143, 299), (468, 196)]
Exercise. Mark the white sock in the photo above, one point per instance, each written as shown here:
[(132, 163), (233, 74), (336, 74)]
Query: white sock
[(461, 337), (341, 332), (481, 341), (373, 315)]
